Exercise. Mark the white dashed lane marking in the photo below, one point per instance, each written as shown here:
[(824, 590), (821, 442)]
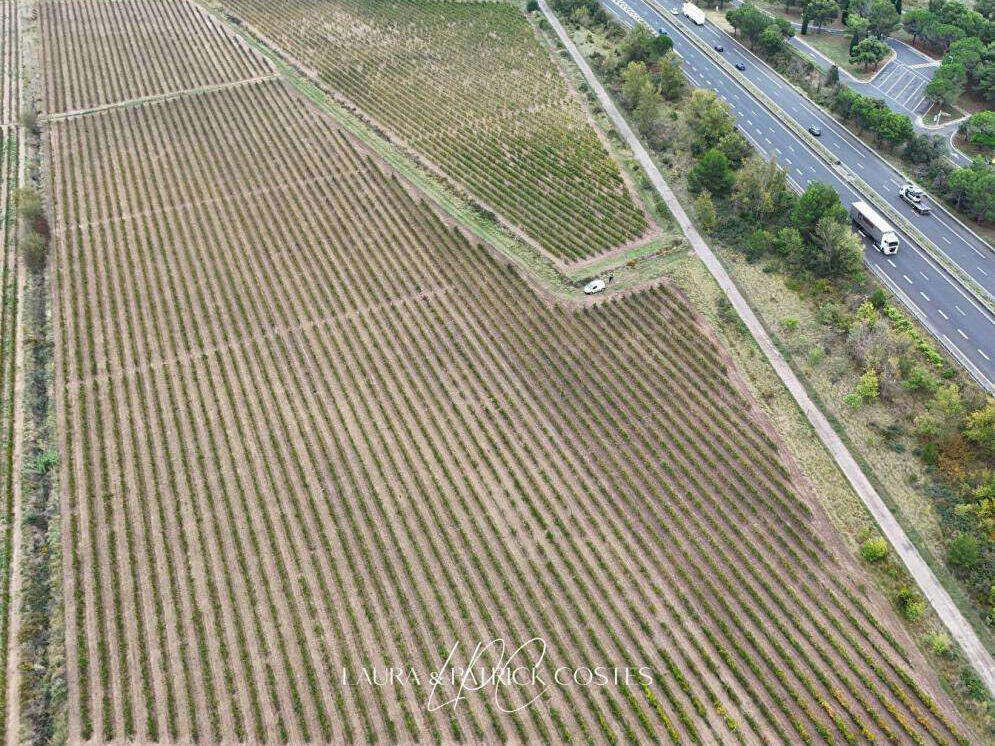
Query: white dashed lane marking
[(924, 276), (907, 279), (940, 311), (892, 264), (960, 310), (961, 333), (982, 353), (925, 296)]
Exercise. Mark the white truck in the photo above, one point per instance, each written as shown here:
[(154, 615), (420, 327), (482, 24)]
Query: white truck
[(875, 227), (696, 14)]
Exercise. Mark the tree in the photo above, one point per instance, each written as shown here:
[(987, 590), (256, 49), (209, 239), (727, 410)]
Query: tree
[(708, 118), (669, 77), (646, 110), (788, 243), (637, 46), (963, 552), (704, 210), (985, 8), (712, 173), (915, 22), (981, 129), (857, 26), (842, 254), (735, 147), (895, 129), (869, 52), (979, 428), (749, 21), (968, 51), (761, 188), (973, 188), (819, 12), (636, 81), (882, 18), (771, 41), (532, 6), (819, 200), (833, 76), (947, 84), (924, 149)]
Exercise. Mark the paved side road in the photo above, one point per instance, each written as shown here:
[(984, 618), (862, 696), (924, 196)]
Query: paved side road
[(931, 588)]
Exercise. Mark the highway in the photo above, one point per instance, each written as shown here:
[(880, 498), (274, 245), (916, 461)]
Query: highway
[(952, 313)]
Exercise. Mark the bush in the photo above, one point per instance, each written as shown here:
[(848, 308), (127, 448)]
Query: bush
[(963, 552), (874, 549), (34, 249), (939, 643), (532, 6), (911, 605)]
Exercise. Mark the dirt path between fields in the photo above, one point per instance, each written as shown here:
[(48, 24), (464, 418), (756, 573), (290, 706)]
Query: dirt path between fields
[(959, 628)]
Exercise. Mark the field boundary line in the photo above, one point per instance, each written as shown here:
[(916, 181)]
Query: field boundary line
[(157, 98), (958, 626), (11, 700)]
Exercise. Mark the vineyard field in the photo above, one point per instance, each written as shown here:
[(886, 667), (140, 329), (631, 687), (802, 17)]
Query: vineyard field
[(307, 427), (496, 117), (99, 52)]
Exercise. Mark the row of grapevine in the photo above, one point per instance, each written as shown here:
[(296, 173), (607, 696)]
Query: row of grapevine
[(470, 88), (98, 52), (308, 428)]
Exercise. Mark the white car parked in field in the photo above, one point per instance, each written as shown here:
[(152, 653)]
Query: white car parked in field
[(594, 287)]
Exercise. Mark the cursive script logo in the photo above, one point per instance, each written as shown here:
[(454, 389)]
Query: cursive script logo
[(517, 669)]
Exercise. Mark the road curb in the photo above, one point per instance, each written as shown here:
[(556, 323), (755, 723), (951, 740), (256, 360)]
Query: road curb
[(934, 252)]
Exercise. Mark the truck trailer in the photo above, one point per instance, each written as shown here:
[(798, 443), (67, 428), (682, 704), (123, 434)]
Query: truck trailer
[(696, 14), (875, 227)]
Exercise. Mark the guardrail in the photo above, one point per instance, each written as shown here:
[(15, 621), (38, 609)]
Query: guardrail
[(969, 283)]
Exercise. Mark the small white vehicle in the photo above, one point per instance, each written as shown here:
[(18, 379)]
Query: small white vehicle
[(915, 197), (594, 287)]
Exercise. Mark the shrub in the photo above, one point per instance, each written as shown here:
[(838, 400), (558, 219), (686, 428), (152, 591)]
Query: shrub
[(963, 552), (874, 549), (34, 249), (911, 605), (939, 643)]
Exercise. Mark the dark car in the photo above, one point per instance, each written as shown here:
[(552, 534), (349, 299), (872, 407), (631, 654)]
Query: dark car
[(719, 48), (664, 31), (740, 66), (815, 131)]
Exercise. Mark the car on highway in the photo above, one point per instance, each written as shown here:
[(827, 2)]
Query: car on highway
[(594, 287), (719, 48), (675, 11), (915, 197), (740, 66), (815, 131), (663, 31)]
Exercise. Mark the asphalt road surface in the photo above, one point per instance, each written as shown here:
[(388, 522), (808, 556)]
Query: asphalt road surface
[(952, 313)]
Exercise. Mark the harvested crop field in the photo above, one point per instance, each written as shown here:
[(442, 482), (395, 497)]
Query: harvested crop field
[(308, 429), (99, 52), (468, 86)]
